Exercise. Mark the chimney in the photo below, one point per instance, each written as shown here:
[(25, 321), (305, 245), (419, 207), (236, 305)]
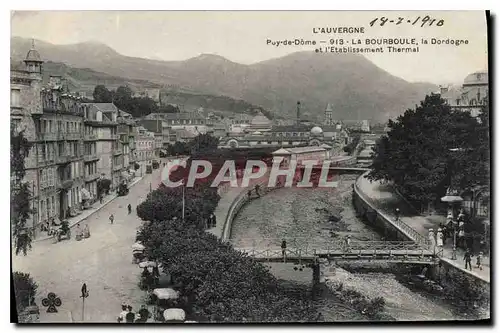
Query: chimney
[(298, 112)]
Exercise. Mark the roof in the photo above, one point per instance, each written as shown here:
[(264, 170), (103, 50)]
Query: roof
[(260, 119), (175, 116), (281, 151), (292, 128), (329, 107), (479, 77), (324, 145), (301, 150), (103, 107), (33, 55)]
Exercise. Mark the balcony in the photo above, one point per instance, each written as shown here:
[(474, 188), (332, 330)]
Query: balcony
[(65, 183), (117, 152), (103, 123), (90, 137), (117, 167), (48, 136), (73, 136), (62, 159), (46, 160), (92, 177), (90, 157)]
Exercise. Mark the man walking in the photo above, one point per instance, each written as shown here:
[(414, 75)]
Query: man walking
[(111, 218), (283, 248), (129, 209), (397, 214), (468, 259)]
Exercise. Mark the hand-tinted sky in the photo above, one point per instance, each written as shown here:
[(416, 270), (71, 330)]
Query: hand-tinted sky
[(241, 36)]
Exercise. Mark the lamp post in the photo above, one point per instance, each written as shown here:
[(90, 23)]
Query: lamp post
[(183, 201)]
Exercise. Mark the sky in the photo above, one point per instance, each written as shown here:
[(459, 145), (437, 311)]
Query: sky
[(242, 36)]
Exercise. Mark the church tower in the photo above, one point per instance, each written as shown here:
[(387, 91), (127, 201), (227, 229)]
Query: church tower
[(329, 115)]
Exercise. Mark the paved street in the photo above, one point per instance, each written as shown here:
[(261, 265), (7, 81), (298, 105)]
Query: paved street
[(103, 262), (386, 199)]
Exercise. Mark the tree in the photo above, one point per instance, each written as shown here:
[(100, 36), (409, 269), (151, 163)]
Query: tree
[(169, 108), (102, 94), (221, 283), (166, 203), (21, 195), (203, 143), (419, 154), (25, 290)]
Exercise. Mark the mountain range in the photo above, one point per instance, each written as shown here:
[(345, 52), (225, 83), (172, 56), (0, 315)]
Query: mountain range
[(355, 87)]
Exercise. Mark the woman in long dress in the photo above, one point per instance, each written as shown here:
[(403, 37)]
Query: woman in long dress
[(439, 238), (432, 238)]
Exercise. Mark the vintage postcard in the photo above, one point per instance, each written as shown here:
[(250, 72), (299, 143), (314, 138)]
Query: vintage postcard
[(250, 166)]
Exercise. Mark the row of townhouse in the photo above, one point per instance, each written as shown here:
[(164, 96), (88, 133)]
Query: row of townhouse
[(74, 144)]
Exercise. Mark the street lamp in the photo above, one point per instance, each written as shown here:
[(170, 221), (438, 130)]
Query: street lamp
[(451, 198)]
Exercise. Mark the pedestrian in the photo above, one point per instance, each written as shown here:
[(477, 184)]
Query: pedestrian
[(79, 233), (432, 238), (130, 317), (479, 260), (111, 218), (143, 315), (214, 221), (86, 231), (397, 214), (461, 235), (468, 259), (347, 243), (249, 193), (439, 238), (129, 209), (100, 198), (283, 248), (123, 314), (257, 188)]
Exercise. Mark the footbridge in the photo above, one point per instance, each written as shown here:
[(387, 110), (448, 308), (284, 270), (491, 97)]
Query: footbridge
[(299, 251)]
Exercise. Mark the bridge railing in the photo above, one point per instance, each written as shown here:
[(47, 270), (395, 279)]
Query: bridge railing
[(312, 254), (331, 246)]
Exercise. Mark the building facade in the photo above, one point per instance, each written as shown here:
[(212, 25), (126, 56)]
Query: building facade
[(471, 97), (145, 145), (52, 121)]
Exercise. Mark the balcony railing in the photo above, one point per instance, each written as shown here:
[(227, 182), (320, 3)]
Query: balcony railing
[(73, 136), (92, 177), (65, 183), (48, 136), (90, 137), (117, 167), (90, 157), (46, 160)]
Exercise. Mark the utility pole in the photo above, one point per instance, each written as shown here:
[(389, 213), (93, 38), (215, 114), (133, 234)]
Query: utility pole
[(183, 200), (298, 112)]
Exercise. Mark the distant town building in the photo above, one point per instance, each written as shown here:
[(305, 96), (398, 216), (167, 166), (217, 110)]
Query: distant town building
[(471, 96), (145, 144), (365, 126), (259, 123)]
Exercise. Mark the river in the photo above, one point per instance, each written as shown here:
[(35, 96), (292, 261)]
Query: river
[(303, 214)]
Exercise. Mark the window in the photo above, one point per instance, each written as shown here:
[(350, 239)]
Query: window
[(15, 97)]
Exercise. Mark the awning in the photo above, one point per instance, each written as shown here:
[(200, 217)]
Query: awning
[(86, 195)]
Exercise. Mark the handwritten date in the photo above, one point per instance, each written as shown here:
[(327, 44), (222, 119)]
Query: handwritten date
[(422, 21)]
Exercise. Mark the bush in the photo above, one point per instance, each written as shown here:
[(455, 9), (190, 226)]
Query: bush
[(137, 166), (25, 290)]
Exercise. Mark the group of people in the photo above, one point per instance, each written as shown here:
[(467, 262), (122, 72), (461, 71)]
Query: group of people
[(468, 260), (112, 217), (127, 316), (82, 233)]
